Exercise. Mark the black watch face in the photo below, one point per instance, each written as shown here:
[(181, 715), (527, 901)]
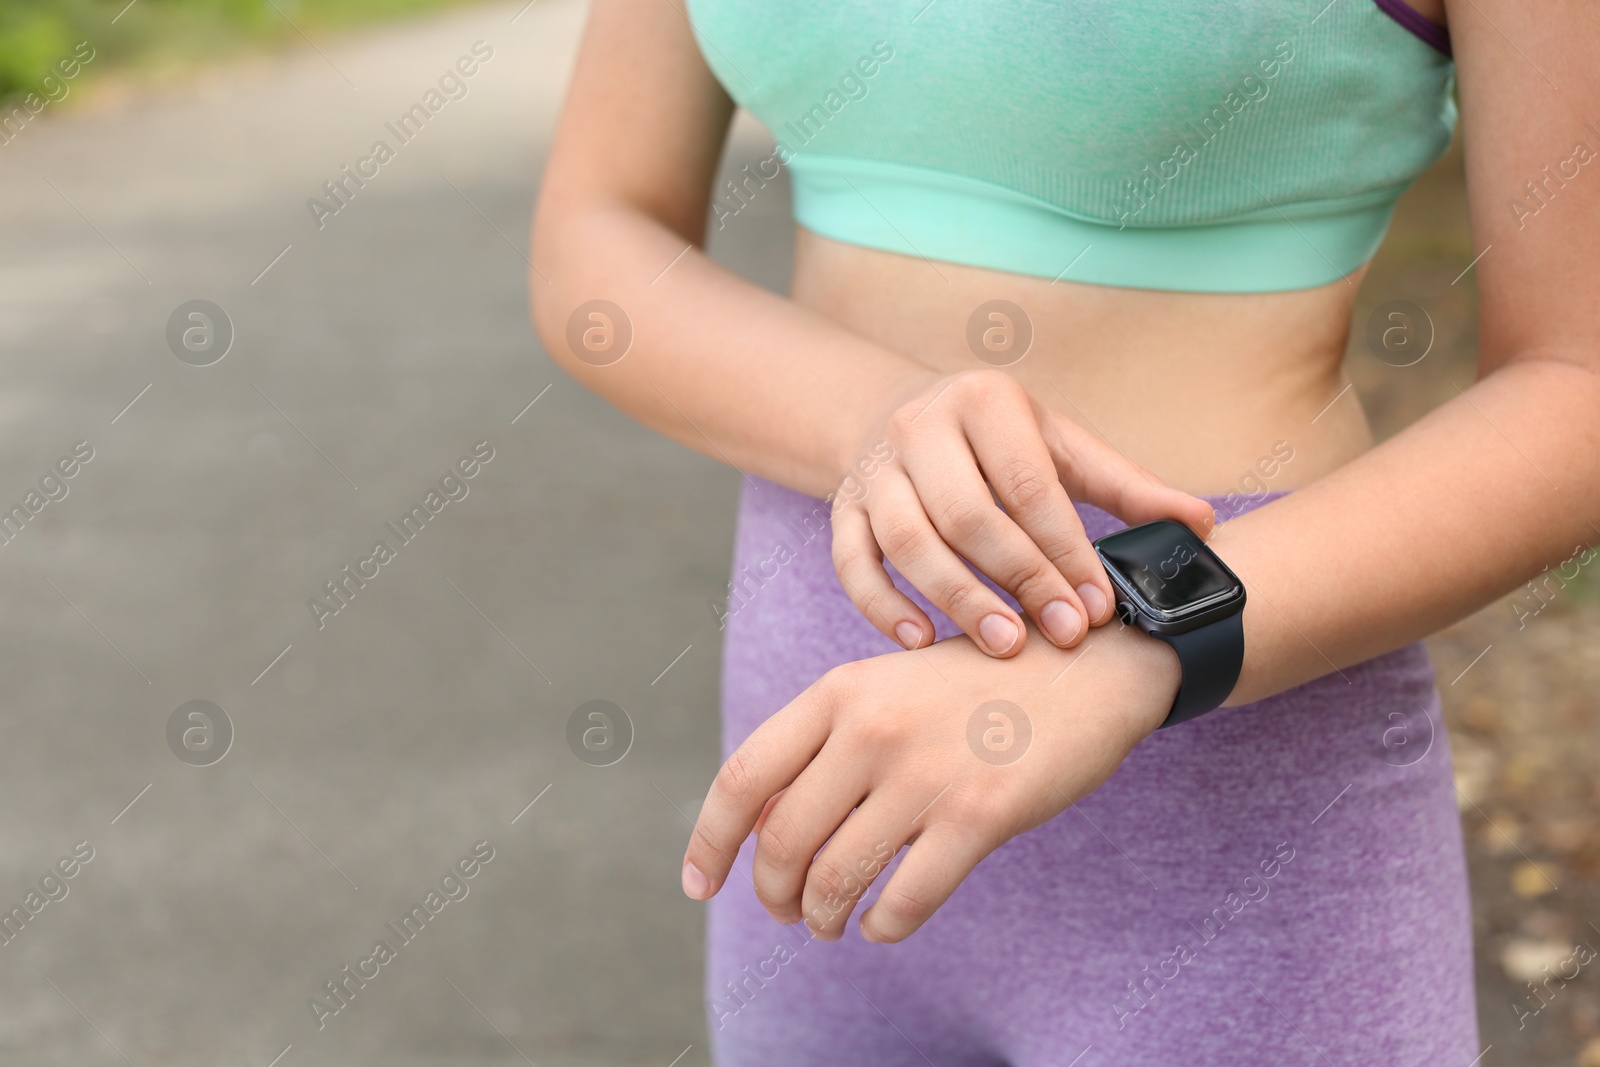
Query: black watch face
[(1169, 568)]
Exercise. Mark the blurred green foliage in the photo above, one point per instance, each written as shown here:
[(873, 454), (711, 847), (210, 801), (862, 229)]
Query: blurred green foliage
[(36, 34)]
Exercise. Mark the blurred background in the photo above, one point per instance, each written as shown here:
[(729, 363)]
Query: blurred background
[(250, 392)]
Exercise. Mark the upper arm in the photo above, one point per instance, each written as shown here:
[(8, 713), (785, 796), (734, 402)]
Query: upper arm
[(644, 119), (1530, 112)]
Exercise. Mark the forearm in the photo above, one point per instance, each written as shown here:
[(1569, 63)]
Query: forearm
[(716, 363), (1470, 502)]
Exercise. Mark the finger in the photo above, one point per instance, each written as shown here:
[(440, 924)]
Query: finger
[(799, 824), (1096, 473), (766, 810), (910, 541), (767, 761), (858, 562), (942, 856), (1036, 549), (847, 865)]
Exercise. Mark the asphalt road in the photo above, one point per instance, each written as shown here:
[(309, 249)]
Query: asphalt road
[(371, 749)]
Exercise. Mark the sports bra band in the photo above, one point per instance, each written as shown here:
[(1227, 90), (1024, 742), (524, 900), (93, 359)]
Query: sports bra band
[(1426, 29)]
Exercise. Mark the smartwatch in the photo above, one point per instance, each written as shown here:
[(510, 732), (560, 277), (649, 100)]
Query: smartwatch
[(1174, 588)]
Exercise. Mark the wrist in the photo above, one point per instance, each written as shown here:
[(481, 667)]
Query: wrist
[(1153, 671), (861, 442), (1135, 676), (1231, 542)]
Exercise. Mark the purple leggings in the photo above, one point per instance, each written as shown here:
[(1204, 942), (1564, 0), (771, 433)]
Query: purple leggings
[(1276, 884)]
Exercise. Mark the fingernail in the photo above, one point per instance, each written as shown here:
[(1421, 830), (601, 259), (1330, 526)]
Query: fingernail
[(695, 883), (999, 633), (909, 633), (1094, 601), (1061, 621)]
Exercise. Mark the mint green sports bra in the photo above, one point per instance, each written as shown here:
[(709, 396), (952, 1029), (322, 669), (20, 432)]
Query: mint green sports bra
[(1216, 146)]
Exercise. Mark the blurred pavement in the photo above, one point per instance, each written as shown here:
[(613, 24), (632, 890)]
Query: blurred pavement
[(369, 755)]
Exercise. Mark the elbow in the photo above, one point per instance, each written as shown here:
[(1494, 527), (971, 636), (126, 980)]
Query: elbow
[(544, 266), (577, 331), (570, 277), (542, 313)]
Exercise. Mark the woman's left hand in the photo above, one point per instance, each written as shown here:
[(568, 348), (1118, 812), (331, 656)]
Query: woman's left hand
[(945, 749)]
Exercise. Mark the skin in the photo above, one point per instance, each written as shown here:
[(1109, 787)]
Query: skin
[(1378, 547)]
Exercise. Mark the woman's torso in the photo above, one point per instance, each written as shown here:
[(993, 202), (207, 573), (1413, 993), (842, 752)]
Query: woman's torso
[(1199, 388), (1204, 388)]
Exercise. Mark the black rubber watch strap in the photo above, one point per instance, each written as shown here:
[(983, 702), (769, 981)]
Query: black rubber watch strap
[(1210, 658)]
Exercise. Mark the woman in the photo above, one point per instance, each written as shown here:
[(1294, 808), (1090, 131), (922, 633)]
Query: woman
[(1093, 258)]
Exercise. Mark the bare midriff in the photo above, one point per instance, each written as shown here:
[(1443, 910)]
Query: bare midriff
[(1203, 389)]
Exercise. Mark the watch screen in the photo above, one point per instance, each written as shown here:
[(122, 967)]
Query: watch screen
[(1169, 566)]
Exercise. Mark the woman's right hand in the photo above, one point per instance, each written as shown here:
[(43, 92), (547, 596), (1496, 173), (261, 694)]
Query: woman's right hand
[(927, 509)]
